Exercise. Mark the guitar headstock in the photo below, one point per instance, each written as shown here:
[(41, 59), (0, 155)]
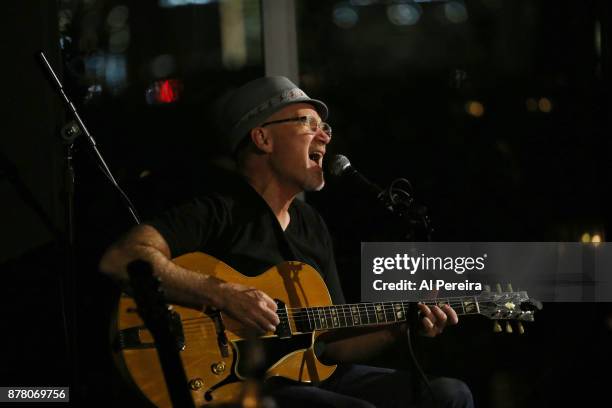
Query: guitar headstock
[(507, 306)]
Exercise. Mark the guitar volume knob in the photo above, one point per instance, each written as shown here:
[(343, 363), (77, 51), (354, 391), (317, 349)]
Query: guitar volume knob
[(218, 368), (196, 383)]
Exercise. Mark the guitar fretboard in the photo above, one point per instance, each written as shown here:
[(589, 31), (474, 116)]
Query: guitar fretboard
[(307, 319)]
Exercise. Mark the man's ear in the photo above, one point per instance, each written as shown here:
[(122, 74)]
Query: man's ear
[(261, 139)]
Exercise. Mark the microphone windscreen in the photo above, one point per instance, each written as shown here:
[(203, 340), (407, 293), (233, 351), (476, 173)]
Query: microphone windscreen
[(338, 164)]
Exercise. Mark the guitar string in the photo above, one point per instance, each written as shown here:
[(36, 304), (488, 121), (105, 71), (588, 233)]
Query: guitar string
[(303, 311), (385, 305), (317, 313), (209, 326), (326, 310)]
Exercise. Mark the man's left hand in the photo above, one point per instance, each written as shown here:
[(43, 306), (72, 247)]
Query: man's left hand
[(434, 319)]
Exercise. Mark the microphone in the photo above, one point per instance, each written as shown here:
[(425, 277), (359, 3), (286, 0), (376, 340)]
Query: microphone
[(396, 200), (340, 167)]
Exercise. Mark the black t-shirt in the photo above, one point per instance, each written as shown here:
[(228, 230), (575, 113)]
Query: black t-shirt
[(238, 227)]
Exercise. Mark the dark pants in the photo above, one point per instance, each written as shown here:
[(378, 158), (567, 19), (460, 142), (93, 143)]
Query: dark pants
[(358, 386)]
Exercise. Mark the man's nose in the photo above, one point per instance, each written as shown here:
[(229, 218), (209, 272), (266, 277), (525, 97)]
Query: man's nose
[(322, 136)]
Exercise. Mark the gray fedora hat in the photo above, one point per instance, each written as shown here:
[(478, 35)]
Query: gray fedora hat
[(250, 105)]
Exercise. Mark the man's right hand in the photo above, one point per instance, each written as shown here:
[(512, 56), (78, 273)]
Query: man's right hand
[(248, 305)]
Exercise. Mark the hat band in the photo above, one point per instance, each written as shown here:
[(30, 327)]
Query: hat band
[(286, 96)]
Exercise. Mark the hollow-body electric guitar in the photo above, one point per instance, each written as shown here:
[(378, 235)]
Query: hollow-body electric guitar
[(214, 346)]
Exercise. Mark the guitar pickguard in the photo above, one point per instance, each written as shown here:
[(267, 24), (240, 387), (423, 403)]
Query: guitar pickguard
[(272, 349)]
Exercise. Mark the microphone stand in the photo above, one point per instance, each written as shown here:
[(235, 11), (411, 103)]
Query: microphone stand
[(69, 134), (413, 216), (101, 162)]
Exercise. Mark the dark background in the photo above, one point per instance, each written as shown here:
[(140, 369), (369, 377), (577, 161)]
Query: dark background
[(534, 166)]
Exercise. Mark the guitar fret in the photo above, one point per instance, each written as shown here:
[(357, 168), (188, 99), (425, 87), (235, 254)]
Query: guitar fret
[(322, 317), (323, 320), (342, 316), (310, 325), (355, 314), (370, 313), (376, 307), (334, 316), (389, 312), (398, 314), (363, 313), (347, 315), (317, 315), (329, 316)]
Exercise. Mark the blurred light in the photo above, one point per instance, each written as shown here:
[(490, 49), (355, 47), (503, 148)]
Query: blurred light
[(64, 19), (531, 104), (492, 4), (345, 17), (65, 41), (545, 105), (164, 91), (93, 92), (94, 65), (115, 72), (586, 237), (163, 66), (455, 12), (144, 173), (117, 17), (596, 239), (119, 41), (598, 38), (250, 401), (178, 3), (233, 34), (403, 14), (474, 108)]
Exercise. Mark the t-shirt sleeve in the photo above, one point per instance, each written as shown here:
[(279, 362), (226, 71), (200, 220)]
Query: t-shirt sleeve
[(192, 226)]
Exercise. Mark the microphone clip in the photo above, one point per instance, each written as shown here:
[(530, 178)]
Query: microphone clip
[(398, 199)]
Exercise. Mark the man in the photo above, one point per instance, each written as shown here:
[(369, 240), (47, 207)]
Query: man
[(278, 138)]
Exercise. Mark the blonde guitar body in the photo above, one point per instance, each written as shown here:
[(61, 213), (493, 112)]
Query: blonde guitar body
[(214, 377)]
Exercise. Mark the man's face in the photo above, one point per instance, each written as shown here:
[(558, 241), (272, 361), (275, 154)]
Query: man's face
[(297, 152)]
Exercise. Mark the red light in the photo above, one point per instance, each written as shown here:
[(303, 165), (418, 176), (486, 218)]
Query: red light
[(164, 91)]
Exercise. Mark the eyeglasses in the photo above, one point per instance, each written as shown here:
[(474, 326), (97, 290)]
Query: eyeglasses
[(308, 120)]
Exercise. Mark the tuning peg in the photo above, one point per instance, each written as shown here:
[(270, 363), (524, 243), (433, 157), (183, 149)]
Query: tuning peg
[(498, 288), (508, 327), (520, 327), (496, 327), (510, 288), (487, 288)]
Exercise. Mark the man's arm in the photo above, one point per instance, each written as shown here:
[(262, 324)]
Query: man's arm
[(248, 305), (357, 346)]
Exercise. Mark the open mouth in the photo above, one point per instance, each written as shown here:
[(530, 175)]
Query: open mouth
[(317, 158)]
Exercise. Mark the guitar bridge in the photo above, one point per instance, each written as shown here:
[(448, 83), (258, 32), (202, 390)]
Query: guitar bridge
[(222, 342), (283, 330)]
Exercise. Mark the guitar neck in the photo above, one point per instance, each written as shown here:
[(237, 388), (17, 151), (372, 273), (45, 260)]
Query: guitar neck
[(370, 314)]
